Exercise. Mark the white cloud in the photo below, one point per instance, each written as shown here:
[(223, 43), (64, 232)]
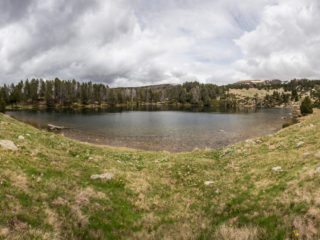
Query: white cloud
[(286, 44), (138, 42)]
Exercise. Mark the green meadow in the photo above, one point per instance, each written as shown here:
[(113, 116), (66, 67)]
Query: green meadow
[(47, 190)]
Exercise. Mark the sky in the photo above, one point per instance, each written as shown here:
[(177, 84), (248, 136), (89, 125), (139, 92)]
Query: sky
[(143, 42)]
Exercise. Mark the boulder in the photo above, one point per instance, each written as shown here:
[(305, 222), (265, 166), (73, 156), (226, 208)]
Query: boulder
[(105, 176), (7, 144)]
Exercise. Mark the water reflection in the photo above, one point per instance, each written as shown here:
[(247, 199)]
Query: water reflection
[(159, 128)]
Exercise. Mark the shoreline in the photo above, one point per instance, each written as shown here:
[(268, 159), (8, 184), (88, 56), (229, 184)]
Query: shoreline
[(195, 149)]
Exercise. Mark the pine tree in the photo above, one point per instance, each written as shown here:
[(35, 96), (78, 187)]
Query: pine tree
[(2, 104), (49, 94), (306, 106)]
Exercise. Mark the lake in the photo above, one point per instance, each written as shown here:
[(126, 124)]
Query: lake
[(159, 129)]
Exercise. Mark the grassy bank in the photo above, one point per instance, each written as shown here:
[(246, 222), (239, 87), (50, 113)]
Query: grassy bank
[(46, 190)]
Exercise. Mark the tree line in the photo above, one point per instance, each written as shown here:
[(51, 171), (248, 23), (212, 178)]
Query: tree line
[(68, 93)]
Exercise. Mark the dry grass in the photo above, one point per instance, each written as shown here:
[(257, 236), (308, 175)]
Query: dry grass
[(46, 191), (252, 92), (225, 232)]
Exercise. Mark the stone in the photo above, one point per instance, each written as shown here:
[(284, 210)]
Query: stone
[(208, 183), (258, 141), (28, 135), (299, 144), (317, 154), (306, 154), (272, 147), (277, 169), (250, 141), (7, 144), (105, 176), (318, 169), (21, 137)]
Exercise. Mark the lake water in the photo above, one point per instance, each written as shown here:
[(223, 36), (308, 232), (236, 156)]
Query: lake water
[(160, 129)]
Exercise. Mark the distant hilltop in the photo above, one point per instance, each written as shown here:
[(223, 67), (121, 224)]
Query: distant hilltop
[(153, 87), (259, 82)]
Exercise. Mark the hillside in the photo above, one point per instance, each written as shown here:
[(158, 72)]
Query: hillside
[(50, 188)]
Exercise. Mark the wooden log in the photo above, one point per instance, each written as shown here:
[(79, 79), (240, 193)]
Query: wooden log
[(54, 127)]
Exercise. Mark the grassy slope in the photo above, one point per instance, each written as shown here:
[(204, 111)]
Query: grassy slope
[(251, 92), (46, 191)]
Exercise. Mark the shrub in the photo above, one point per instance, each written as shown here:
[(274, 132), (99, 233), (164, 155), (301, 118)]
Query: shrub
[(306, 106)]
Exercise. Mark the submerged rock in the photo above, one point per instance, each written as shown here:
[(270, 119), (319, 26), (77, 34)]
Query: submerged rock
[(105, 176), (7, 144), (277, 169)]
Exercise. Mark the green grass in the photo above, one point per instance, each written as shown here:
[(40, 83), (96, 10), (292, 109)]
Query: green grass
[(46, 191)]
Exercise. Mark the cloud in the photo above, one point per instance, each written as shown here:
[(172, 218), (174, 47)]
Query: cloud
[(286, 43), (139, 42)]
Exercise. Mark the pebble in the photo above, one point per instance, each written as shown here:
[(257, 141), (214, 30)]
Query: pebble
[(306, 154), (21, 137), (208, 183), (299, 144), (277, 169), (250, 141)]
